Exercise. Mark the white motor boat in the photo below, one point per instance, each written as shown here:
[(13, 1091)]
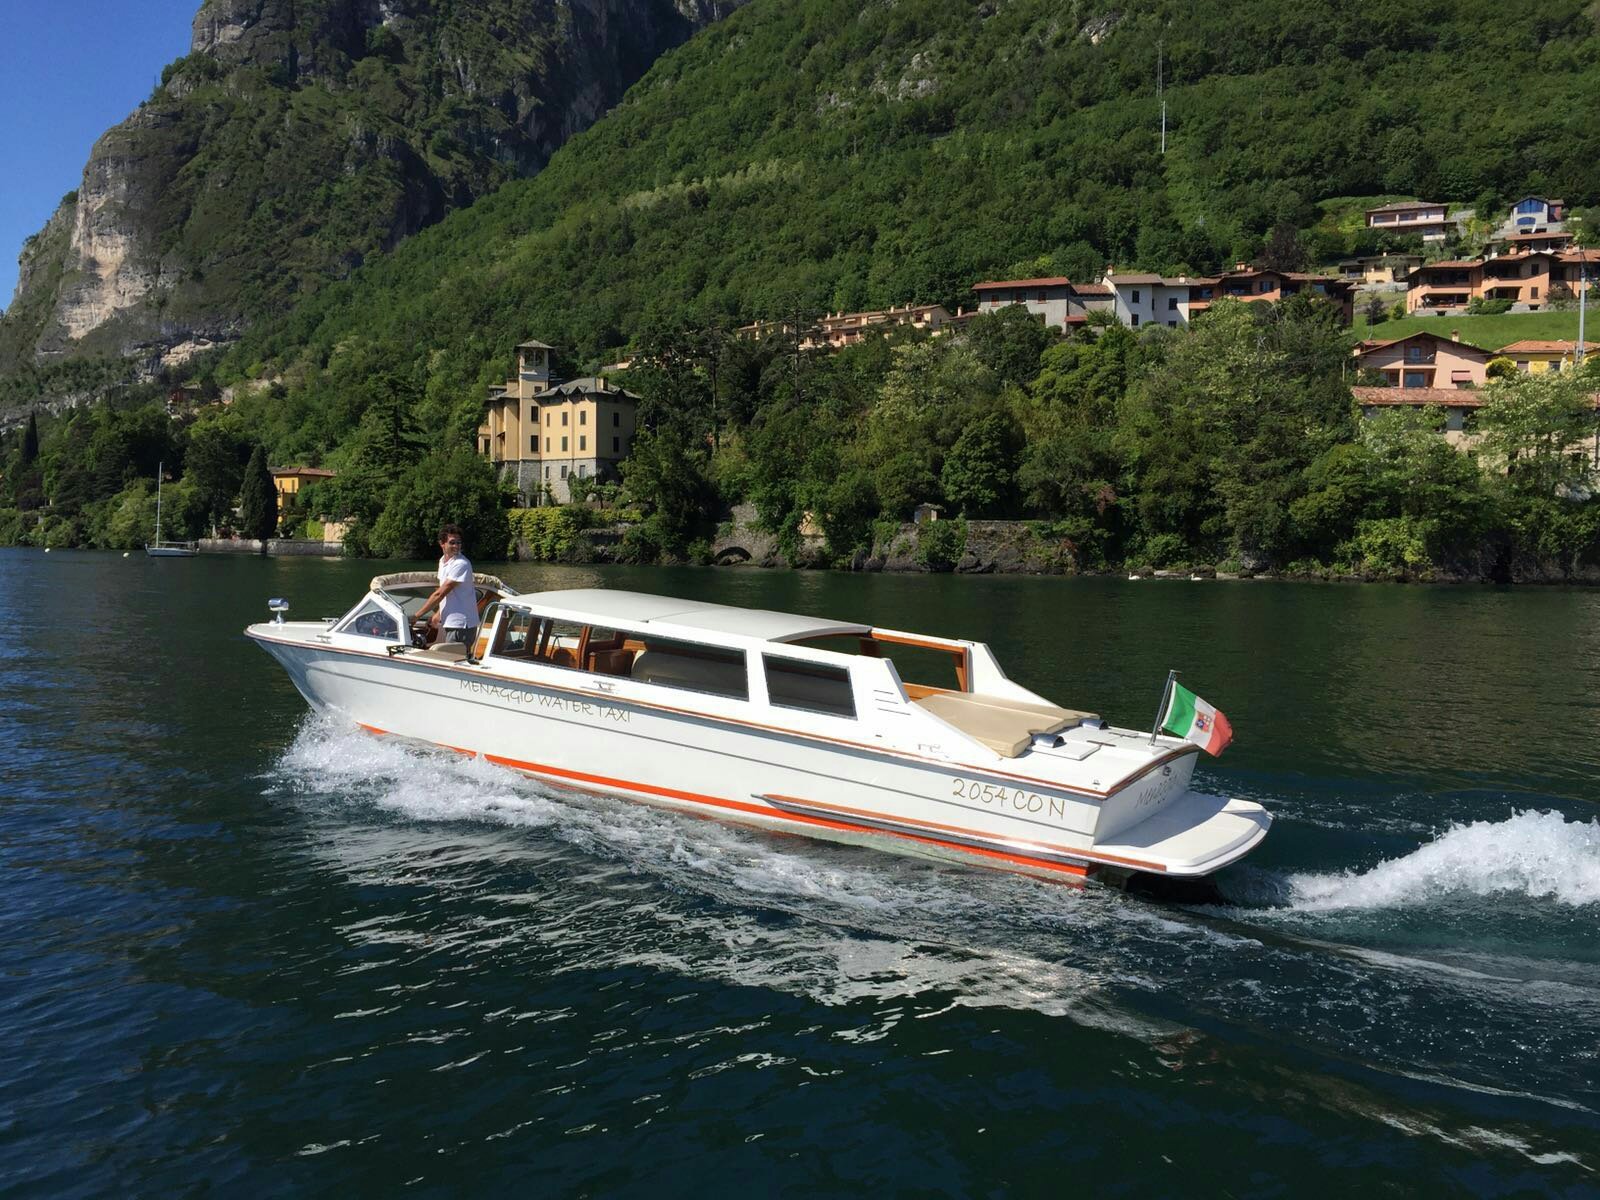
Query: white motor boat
[(773, 719)]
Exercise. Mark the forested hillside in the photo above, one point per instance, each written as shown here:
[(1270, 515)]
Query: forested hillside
[(834, 156), (803, 157), (297, 138)]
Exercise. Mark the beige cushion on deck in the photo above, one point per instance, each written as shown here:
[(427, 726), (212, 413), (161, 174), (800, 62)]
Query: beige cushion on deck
[(444, 652), (1005, 726)]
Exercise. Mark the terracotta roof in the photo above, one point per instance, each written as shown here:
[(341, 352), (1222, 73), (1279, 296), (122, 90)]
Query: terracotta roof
[(303, 472), (1091, 289), (1535, 346), (1458, 397), (1579, 256), (1534, 237), (1455, 264), (1404, 206), (1400, 397), (1368, 346), (1051, 281), (1189, 280)]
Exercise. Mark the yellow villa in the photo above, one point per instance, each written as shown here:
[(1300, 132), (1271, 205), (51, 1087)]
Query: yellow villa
[(287, 482), (1534, 357), (543, 434)]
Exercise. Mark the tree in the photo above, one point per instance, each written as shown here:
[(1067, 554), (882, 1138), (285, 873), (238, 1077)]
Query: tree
[(1283, 250), (979, 473), (211, 465), (1009, 343), (258, 499), (1537, 428), (387, 445), (453, 486), (1376, 311), (30, 440)]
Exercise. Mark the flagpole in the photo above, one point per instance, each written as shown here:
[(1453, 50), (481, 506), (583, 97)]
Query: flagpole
[(1161, 709)]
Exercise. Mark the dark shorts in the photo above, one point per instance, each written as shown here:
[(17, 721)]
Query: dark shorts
[(465, 634)]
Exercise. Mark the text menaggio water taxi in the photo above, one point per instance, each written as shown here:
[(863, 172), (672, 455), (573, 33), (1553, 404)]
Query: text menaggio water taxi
[(773, 719)]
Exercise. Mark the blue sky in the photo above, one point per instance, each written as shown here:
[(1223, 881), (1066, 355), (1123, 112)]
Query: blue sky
[(69, 70)]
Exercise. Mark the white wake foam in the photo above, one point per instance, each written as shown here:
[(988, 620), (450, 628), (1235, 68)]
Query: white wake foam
[(1536, 854)]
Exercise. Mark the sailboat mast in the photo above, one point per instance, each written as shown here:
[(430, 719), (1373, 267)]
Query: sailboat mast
[(158, 502)]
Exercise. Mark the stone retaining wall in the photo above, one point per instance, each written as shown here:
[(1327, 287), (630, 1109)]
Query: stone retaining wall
[(276, 547)]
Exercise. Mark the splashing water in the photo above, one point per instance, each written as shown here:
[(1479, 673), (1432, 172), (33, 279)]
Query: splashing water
[(1535, 854)]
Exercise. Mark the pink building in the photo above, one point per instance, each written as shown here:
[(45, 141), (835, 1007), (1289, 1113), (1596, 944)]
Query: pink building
[(1425, 360)]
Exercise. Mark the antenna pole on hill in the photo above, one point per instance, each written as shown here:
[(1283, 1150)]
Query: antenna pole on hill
[(1161, 92)]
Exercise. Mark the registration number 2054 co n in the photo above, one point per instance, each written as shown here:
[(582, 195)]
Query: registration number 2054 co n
[(995, 795)]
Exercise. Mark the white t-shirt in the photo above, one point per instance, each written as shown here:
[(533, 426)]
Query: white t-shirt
[(459, 608)]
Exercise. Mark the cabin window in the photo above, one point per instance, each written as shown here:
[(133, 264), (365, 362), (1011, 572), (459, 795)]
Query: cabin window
[(372, 621), (691, 666), (810, 687), (616, 419), (583, 416)]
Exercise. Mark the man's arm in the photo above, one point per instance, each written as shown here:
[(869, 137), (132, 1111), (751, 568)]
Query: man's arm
[(439, 593)]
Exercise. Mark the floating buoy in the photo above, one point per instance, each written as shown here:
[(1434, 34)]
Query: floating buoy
[(47, 549), (125, 554)]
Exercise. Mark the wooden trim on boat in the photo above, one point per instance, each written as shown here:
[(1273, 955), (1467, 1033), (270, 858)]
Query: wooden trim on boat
[(481, 672), (962, 654)]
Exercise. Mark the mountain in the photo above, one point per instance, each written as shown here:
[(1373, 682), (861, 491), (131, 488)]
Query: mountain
[(824, 154), (299, 137)]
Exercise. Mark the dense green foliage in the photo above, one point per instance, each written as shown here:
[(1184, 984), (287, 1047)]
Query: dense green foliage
[(258, 501), (797, 158)]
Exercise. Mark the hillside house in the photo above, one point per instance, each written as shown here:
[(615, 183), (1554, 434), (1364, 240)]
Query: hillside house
[(1141, 299), (1053, 299), (1530, 243), (1534, 357), (287, 482), (1378, 270), (1523, 279), (542, 433), (1430, 222), (1460, 407), (1425, 360), (838, 330), (1535, 214)]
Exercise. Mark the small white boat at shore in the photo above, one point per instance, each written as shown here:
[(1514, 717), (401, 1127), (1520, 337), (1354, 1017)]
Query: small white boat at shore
[(160, 549), (773, 719)]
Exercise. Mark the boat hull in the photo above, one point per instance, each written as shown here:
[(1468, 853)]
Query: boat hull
[(736, 770)]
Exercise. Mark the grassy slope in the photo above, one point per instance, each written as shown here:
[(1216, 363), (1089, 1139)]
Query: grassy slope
[(1489, 333)]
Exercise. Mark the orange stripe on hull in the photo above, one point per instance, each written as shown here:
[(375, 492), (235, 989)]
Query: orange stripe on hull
[(767, 812)]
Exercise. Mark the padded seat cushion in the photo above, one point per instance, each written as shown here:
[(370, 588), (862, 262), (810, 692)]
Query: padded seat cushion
[(1005, 726)]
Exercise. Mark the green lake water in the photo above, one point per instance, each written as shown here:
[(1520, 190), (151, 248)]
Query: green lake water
[(247, 951)]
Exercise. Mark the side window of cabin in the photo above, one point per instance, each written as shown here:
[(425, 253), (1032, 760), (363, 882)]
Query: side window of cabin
[(372, 621), (515, 639), (811, 687), (690, 666)]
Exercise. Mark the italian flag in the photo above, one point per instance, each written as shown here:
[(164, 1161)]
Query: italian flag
[(1192, 718)]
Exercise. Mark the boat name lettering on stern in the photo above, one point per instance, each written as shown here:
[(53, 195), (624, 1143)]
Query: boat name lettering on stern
[(586, 708), (995, 795)]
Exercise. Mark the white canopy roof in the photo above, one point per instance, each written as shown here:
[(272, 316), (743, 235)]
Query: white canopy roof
[(598, 605)]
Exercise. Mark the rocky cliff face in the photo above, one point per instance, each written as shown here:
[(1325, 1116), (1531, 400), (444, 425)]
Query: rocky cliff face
[(300, 136)]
